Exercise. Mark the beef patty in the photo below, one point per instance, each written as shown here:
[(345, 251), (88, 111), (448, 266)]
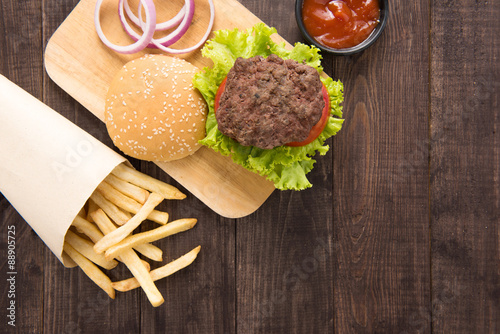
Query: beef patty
[(270, 102)]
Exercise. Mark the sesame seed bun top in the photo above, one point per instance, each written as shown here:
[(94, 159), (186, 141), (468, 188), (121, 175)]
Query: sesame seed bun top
[(152, 110)]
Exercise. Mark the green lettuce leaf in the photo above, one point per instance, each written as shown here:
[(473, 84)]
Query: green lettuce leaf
[(285, 166)]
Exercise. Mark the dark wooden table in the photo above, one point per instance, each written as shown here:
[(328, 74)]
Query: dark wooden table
[(400, 233)]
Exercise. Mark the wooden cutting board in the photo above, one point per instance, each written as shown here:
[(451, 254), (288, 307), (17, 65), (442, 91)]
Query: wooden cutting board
[(79, 63)]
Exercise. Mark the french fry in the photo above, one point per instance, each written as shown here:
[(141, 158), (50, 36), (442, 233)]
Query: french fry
[(160, 272), (150, 251), (132, 261), (123, 231), (118, 216), (91, 270), (134, 264), (85, 227), (147, 182), (91, 231), (145, 263), (131, 190), (174, 227), (68, 261), (125, 198), (128, 204), (91, 208), (103, 221), (81, 213), (86, 248)]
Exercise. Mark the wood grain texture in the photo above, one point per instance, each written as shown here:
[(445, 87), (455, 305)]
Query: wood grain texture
[(465, 167), (21, 27), (380, 180)]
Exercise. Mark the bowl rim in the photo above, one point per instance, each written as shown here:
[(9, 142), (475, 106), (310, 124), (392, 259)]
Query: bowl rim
[(384, 16)]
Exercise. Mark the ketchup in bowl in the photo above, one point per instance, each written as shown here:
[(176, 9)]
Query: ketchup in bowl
[(340, 24)]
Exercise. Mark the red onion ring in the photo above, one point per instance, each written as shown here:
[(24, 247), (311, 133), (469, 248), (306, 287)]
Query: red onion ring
[(184, 16), (142, 42), (128, 29), (167, 40), (175, 35), (196, 46), (173, 22)]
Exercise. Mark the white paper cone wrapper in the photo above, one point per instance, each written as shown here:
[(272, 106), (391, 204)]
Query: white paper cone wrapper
[(49, 166)]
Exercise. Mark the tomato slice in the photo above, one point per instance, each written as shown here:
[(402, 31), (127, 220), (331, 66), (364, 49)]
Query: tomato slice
[(220, 90), (315, 130)]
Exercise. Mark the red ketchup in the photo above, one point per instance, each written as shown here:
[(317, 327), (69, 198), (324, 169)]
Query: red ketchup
[(340, 24)]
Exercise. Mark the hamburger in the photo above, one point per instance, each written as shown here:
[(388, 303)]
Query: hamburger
[(269, 107), (153, 112), (269, 102)]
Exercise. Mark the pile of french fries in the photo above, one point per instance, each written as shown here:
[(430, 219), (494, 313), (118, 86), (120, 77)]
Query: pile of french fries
[(101, 234)]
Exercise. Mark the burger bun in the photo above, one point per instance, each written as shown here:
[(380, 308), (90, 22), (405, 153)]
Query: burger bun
[(152, 110)]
